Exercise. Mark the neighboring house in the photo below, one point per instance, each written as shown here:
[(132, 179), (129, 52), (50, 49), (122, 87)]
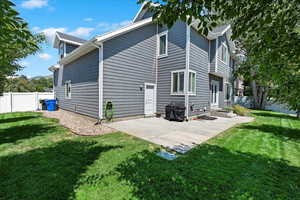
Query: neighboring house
[(143, 67)]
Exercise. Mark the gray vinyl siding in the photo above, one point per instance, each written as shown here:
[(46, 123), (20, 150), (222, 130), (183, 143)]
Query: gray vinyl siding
[(83, 74), (55, 77), (213, 56), (223, 68), (199, 62), (70, 48), (176, 60), (221, 89), (147, 15), (129, 63)]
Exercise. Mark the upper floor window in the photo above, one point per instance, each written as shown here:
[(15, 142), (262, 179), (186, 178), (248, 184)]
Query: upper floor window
[(68, 90), (61, 50), (163, 44), (177, 83), (224, 53)]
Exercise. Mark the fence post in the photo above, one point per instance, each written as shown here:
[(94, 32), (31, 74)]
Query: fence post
[(10, 100), (36, 101)]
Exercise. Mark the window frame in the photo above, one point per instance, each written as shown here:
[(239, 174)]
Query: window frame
[(192, 92), (68, 95), (178, 93), (165, 33), (226, 53)]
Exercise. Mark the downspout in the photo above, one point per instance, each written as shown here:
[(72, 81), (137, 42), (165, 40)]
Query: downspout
[(187, 66), (100, 81), (156, 66)]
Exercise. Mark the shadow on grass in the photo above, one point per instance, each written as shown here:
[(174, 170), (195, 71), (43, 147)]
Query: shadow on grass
[(16, 119), (26, 131), (47, 173), (210, 172), (277, 115), (283, 133)]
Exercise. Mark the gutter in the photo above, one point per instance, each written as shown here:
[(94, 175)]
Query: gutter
[(100, 80)]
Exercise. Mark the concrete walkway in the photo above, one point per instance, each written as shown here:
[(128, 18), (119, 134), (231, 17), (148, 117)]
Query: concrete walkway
[(178, 136)]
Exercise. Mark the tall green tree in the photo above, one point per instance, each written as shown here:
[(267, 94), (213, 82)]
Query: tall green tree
[(16, 41), (266, 32)]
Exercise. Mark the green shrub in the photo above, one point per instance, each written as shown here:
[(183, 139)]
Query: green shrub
[(240, 110)]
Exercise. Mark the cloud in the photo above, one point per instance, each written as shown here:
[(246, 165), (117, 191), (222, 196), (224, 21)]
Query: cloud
[(82, 32), (89, 19), (24, 63), (44, 56), (31, 4), (106, 26)]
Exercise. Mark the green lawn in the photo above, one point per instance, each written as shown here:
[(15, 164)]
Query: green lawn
[(40, 160)]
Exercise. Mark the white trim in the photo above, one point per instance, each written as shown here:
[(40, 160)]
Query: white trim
[(187, 67), (64, 40), (124, 29), (178, 82), (227, 53), (216, 105), (193, 93), (140, 12), (217, 52), (166, 33), (154, 98), (65, 49), (100, 81), (209, 61), (88, 46), (66, 84)]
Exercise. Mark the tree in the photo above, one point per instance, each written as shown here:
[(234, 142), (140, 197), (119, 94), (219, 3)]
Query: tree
[(16, 41), (23, 84), (265, 30)]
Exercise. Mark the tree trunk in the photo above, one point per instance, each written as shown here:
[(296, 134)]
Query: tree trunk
[(298, 113)]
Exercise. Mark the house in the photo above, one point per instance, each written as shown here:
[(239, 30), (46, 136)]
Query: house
[(142, 67)]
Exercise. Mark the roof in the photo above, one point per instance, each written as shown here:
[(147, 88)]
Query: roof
[(67, 38), (93, 43), (98, 40), (53, 68)]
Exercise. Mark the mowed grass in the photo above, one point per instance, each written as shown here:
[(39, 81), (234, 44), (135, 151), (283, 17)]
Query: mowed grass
[(41, 160)]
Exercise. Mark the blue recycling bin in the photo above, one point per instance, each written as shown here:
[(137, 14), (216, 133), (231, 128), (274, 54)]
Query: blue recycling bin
[(51, 104)]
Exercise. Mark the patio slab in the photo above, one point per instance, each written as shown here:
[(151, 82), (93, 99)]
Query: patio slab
[(178, 136)]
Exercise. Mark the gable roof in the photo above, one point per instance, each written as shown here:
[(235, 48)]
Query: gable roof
[(59, 36), (98, 40)]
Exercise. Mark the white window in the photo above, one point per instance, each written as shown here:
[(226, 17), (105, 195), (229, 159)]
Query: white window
[(163, 44), (68, 89), (224, 53), (228, 91), (192, 82), (177, 83)]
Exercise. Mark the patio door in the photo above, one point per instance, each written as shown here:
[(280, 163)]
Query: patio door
[(150, 99), (214, 89)]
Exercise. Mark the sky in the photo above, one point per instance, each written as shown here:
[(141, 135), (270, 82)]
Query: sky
[(81, 18)]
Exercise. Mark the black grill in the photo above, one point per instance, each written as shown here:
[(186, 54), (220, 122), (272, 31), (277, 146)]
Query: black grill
[(175, 111)]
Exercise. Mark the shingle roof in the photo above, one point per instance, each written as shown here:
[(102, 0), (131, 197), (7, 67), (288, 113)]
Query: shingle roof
[(71, 38)]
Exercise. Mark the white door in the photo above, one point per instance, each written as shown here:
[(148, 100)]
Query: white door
[(214, 98), (150, 99)]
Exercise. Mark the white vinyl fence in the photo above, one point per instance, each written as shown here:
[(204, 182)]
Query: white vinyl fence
[(247, 102), (21, 102)]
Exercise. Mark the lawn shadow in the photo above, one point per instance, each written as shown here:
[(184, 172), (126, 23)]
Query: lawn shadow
[(26, 131), (47, 173), (16, 119), (284, 133), (277, 115), (210, 172)]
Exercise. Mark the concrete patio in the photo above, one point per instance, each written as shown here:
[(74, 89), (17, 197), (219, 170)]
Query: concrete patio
[(178, 136)]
